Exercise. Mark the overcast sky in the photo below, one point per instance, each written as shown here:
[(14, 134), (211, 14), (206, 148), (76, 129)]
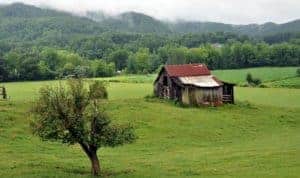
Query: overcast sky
[(227, 11)]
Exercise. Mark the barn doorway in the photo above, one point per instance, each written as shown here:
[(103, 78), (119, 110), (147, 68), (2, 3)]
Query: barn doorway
[(228, 93)]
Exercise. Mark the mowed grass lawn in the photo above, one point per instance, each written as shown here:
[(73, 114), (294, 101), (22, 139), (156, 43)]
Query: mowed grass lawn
[(257, 137)]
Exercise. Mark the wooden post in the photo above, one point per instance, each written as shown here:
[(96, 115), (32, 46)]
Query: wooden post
[(4, 93), (232, 95)]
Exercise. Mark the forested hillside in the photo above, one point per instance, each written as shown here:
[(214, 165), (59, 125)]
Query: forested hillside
[(137, 22), (40, 44), (131, 22), (34, 25)]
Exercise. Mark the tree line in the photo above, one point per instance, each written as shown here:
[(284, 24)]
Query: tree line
[(111, 53)]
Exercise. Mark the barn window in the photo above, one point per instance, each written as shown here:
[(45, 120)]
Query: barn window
[(165, 81)]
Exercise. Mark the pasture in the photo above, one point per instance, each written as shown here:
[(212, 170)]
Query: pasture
[(278, 77), (257, 137), (27, 91), (286, 83), (266, 74)]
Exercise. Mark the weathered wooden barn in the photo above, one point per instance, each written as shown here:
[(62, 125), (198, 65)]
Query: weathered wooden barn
[(192, 84)]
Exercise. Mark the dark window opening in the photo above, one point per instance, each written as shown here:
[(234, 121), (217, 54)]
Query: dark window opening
[(165, 81)]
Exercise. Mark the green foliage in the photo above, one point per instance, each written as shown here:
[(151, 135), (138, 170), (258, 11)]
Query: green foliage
[(298, 72), (64, 114), (142, 56), (97, 91), (100, 68), (177, 55), (3, 70), (119, 57), (249, 78), (252, 81)]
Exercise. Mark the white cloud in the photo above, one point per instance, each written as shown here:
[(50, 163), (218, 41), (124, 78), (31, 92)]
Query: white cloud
[(228, 11)]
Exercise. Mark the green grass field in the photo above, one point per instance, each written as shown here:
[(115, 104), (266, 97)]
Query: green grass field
[(257, 137), (285, 83), (27, 91), (266, 74), (238, 76)]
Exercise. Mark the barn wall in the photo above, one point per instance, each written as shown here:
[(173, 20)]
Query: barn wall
[(158, 86), (185, 96), (168, 91), (202, 96)]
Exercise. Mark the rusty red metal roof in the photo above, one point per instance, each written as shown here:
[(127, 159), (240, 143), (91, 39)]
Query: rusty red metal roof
[(187, 70)]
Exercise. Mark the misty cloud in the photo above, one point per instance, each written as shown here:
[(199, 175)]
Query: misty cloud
[(228, 11)]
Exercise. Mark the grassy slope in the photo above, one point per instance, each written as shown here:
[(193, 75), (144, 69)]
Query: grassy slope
[(280, 97), (266, 74), (195, 142), (271, 76), (244, 140), (288, 83), (26, 91)]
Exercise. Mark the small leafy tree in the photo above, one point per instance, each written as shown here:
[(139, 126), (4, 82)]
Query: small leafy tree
[(298, 72), (249, 78), (75, 114), (252, 81)]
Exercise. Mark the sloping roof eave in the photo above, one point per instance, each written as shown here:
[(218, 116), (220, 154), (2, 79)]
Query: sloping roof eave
[(201, 81)]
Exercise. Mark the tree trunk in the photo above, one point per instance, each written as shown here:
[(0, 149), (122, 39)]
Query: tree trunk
[(91, 152), (95, 163)]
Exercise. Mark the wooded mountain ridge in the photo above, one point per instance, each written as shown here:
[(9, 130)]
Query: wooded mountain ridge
[(138, 22), (132, 22)]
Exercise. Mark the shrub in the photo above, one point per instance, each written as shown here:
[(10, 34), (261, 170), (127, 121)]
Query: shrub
[(252, 81), (298, 72), (263, 86), (249, 78), (256, 81)]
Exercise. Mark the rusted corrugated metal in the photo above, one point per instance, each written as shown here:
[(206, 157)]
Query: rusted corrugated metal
[(187, 70), (201, 81)]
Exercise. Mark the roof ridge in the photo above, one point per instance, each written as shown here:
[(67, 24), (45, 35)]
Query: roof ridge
[(193, 64)]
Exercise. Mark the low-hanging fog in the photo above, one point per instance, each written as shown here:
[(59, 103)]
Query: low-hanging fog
[(226, 11)]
